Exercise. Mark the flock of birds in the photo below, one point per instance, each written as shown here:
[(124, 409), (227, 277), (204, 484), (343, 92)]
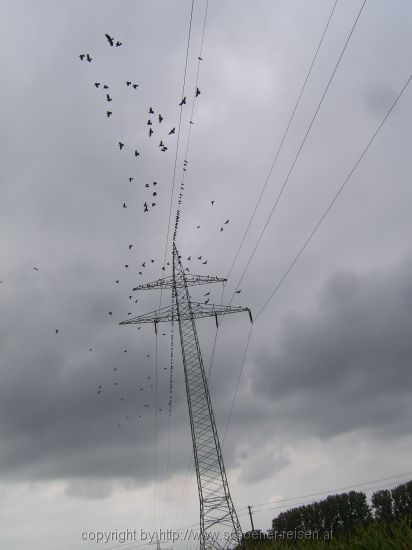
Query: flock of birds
[(155, 125)]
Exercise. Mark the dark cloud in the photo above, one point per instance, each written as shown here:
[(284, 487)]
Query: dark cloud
[(345, 366)]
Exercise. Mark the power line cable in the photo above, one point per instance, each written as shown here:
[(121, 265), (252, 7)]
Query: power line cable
[(285, 133), (301, 145), (335, 198), (314, 230)]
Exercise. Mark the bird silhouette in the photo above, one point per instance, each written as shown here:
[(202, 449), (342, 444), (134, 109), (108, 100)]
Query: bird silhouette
[(109, 39), (189, 258), (124, 205), (56, 330), (153, 204), (207, 293), (164, 149), (221, 229), (204, 263), (108, 97), (121, 145), (146, 185), (136, 153), (109, 114), (130, 180), (151, 111), (161, 144), (199, 257), (110, 313), (126, 266), (149, 122), (160, 119), (150, 132), (97, 84), (155, 183), (200, 59), (35, 269), (238, 291), (82, 56), (130, 246), (118, 44), (145, 207), (172, 131), (128, 83), (117, 281), (135, 86), (212, 202), (183, 102), (227, 221), (88, 58), (198, 92), (154, 194), (105, 87)]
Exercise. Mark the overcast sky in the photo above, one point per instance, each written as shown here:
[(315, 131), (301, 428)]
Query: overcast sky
[(324, 396)]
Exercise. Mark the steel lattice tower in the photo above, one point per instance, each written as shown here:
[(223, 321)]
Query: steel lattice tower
[(216, 506)]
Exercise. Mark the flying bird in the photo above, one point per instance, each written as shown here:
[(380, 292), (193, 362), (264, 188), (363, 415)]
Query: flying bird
[(105, 87), (238, 291), (200, 59), (124, 205), (88, 58), (136, 153), (135, 86), (160, 118), (128, 83), (82, 56), (150, 132), (198, 92), (155, 183), (109, 39), (183, 102), (56, 330), (108, 97), (97, 84), (121, 145), (35, 269), (212, 202), (161, 144), (117, 281), (227, 221), (145, 207), (204, 263), (151, 111), (118, 44), (130, 180), (172, 131), (110, 313), (149, 122), (130, 246), (109, 114)]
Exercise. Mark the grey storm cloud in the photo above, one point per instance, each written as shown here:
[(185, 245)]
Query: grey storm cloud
[(325, 358), (345, 365)]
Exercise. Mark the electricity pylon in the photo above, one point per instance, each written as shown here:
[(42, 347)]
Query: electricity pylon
[(216, 506)]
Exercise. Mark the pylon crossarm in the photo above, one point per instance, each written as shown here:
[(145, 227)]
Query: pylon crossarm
[(158, 316), (168, 313), (191, 280), (210, 310)]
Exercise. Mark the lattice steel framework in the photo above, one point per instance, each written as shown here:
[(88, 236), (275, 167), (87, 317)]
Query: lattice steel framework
[(216, 507)]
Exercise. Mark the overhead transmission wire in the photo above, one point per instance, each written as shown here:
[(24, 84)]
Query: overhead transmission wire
[(167, 235), (280, 146), (189, 469), (284, 135), (314, 230), (301, 145), (178, 133), (285, 182)]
